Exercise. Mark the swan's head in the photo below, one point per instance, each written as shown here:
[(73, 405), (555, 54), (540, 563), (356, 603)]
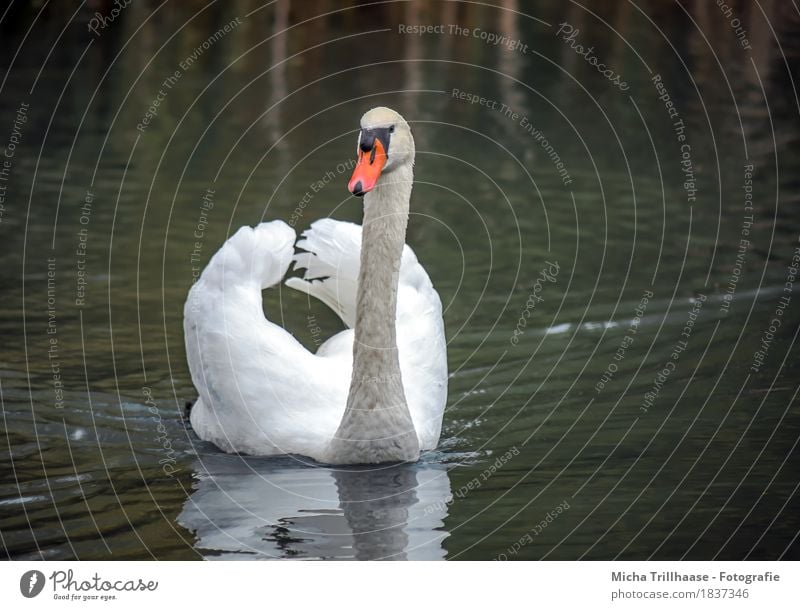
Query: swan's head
[(384, 144)]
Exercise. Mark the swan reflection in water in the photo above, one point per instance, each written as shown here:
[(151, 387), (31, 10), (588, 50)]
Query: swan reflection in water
[(257, 508)]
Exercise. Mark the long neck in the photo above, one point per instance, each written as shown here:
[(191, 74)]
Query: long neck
[(377, 425), (382, 241)]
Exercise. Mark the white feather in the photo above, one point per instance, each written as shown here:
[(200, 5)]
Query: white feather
[(260, 391)]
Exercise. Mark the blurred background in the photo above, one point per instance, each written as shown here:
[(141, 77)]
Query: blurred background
[(117, 120)]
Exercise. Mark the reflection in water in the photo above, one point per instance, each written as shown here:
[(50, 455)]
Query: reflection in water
[(246, 507), (277, 72)]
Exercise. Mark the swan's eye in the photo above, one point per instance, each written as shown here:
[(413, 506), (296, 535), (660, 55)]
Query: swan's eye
[(391, 129)]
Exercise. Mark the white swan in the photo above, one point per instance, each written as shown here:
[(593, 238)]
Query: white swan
[(373, 393)]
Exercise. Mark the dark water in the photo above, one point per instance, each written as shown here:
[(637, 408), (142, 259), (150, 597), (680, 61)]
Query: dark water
[(580, 246)]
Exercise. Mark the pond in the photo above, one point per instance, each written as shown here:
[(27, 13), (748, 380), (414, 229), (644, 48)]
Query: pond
[(605, 198)]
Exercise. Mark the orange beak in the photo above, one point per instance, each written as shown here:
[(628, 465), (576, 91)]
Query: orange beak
[(368, 169)]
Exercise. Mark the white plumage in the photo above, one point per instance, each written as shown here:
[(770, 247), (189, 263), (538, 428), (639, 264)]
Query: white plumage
[(260, 391), (373, 393)]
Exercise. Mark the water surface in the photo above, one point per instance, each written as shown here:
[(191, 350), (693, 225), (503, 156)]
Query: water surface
[(106, 221)]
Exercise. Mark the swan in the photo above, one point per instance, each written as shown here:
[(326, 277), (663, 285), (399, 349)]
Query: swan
[(372, 393)]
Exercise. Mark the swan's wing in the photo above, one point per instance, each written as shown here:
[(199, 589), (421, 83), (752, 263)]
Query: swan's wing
[(422, 348), (261, 391), (331, 263), (259, 255)]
